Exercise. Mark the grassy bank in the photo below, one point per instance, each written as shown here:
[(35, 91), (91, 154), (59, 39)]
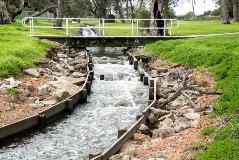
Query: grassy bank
[(17, 50), (221, 56), (185, 28)]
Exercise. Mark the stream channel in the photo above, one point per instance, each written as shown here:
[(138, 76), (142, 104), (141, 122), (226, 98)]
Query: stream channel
[(92, 127)]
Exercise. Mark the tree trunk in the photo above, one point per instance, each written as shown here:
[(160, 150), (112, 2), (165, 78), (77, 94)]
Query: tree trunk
[(193, 6), (102, 9), (235, 10), (132, 8), (4, 15), (157, 13), (225, 14), (127, 8), (119, 9), (60, 12)]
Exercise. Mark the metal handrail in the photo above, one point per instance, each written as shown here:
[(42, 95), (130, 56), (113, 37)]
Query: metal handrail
[(135, 26)]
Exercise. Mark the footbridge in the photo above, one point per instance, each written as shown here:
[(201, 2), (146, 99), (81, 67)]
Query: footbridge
[(92, 32)]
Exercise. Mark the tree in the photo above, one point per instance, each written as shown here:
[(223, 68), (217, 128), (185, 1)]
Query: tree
[(60, 12), (98, 8), (9, 10), (235, 10), (193, 6), (225, 14), (4, 16), (118, 8), (40, 7)]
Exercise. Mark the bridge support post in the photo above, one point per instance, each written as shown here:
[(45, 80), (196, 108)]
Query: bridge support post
[(83, 96), (151, 93), (102, 77), (69, 106), (141, 77), (121, 132), (42, 121), (88, 87), (146, 80), (136, 65)]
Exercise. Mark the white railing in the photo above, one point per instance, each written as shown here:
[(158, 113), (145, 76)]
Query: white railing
[(41, 26)]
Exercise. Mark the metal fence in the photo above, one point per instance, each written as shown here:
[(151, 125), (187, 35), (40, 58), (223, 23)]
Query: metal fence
[(41, 26)]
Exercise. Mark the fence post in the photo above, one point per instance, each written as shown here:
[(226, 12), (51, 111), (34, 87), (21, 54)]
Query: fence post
[(103, 21), (132, 27), (99, 27), (67, 29), (171, 27), (30, 26), (33, 33), (165, 26), (137, 27)]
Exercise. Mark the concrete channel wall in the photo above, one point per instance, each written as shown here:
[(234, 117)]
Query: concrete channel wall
[(49, 115), (141, 119)]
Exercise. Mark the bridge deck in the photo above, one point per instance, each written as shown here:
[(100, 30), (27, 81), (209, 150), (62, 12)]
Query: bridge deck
[(108, 41)]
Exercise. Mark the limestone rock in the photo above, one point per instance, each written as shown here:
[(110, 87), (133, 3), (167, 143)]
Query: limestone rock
[(145, 130), (35, 106), (32, 72), (61, 55), (201, 107), (48, 102), (43, 89), (152, 119), (12, 83), (181, 124), (76, 81), (116, 157), (126, 157), (158, 112), (77, 74), (61, 94), (166, 124), (26, 93), (66, 86), (192, 116), (71, 68), (163, 133), (141, 137)]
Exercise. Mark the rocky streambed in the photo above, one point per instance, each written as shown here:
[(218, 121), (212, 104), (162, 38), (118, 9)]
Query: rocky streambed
[(185, 100), (54, 78), (92, 127)]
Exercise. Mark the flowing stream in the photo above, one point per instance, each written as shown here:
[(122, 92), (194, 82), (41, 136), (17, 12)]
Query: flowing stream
[(92, 127)]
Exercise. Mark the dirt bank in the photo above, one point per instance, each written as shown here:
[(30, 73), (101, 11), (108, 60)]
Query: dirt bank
[(185, 100), (54, 78)]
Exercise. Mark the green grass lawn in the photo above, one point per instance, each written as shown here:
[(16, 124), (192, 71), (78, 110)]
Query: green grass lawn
[(17, 50), (219, 54), (205, 27)]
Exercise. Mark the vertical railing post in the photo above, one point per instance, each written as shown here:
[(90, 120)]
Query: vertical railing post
[(132, 27), (99, 27), (165, 26), (33, 27), (30, 26), (67, 27), (171, 27), (103, 21), (137, 27)]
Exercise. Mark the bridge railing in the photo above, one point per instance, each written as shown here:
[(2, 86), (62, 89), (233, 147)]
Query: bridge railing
[(92, 27)]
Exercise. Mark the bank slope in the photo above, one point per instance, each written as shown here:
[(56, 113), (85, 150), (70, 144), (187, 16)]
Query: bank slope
[(221, 56), (17, 50)]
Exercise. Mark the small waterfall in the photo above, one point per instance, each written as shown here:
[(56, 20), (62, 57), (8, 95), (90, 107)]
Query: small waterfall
[(88, 32)]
